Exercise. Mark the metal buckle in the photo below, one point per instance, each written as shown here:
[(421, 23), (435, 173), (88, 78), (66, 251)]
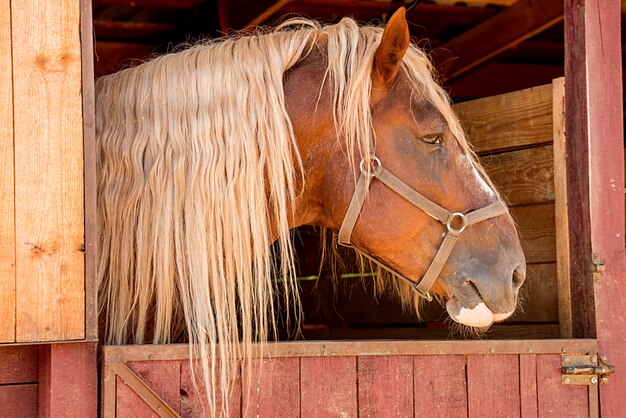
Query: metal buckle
[(375, 164), (461, 217)]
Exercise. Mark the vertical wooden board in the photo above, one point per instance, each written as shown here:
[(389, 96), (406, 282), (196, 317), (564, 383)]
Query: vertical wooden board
[(193, 397), (528, 385), (48, 170), (561, 209), (18, 401), (129, 405), (163, 378), (68, 380), (440, 386), (385, 386), (19, 364), (328, 387), (554, 399), (7, 176), (274, 390), (493, 386)]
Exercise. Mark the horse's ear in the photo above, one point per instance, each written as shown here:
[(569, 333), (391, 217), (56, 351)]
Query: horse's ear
[(392, 48)]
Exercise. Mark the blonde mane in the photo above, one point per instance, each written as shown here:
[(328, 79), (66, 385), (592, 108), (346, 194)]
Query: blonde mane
[(197, 172)]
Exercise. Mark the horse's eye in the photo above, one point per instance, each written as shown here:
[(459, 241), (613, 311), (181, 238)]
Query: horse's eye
[(432, 139)]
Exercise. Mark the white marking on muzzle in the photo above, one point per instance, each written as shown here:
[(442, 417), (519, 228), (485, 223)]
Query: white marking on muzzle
[(479, 316), (501, 316)]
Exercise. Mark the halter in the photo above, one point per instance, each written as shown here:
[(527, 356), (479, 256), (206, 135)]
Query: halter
[(455, 222)]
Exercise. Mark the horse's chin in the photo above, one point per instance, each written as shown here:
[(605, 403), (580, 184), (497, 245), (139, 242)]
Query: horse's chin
[(480, 316)]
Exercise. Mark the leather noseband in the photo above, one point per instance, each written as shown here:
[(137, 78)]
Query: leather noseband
[(454, 221)]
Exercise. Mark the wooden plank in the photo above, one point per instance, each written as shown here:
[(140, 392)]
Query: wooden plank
[(18, 401), (537, 232), (440, 387), (359, 348), (19, 364), (493, 386), (7, 176), (563, 231), (129, 404), (194, 402), (523, 20), (163, 377), (539, 295), (68, 380), (508, 121), (48, 171), (594, 126), (328, 387), (523, 177), (385, 386), (528, 385), (554, 399), (275, 388), (89, 161)]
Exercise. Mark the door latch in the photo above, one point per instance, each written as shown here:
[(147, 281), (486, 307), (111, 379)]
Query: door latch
[(585, 370)]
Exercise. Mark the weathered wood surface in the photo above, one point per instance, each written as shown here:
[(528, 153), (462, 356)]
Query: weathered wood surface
[(18, 401), (328, 387), (508, 121), (68, 376), (275, 388), (521, 21), (50, 300), (7, 199), (440, 386), (493, 386), (524, 176), (562, 228), (525, 385), (19, 364), (537, 232), (595, 166), (385, 386)]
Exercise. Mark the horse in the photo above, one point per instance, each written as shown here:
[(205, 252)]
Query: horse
[(209, 156)]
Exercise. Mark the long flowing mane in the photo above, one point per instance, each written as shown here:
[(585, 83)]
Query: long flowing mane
[(198, 169)]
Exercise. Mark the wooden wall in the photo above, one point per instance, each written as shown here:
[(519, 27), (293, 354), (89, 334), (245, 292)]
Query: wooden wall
[(366, 379), (42, 245)]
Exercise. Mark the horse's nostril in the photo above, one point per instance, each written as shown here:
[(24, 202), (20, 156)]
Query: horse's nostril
[(519, 275)]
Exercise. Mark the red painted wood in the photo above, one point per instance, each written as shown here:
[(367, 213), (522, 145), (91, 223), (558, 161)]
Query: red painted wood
[(594, 125), (129, 405), (19, 364), (328, 387), (163, 377), (68, 380), (385, 386), (194, 402), (18, 401), (440, 388), (493, 386), (554, 399), (275, 388), (528, 385)]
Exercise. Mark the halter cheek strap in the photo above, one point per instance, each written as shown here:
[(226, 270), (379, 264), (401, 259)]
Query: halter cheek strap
[(455, 222)]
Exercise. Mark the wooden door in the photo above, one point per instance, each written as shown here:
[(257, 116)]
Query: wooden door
[(42, 223), (366, 379)]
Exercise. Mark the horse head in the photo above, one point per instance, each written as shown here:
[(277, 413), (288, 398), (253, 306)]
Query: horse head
[(401, 184)]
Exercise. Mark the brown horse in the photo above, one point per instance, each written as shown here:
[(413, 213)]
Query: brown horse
[(209, 155)]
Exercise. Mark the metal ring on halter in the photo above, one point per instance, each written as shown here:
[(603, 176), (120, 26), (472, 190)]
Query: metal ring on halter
[(374, 165), (453, 216)]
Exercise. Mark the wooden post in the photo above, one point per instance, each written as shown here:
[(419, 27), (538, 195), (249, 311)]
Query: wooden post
[(595, 170), (68, 376)]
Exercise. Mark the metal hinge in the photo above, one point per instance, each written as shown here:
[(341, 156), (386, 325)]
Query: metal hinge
[(585, 370)]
